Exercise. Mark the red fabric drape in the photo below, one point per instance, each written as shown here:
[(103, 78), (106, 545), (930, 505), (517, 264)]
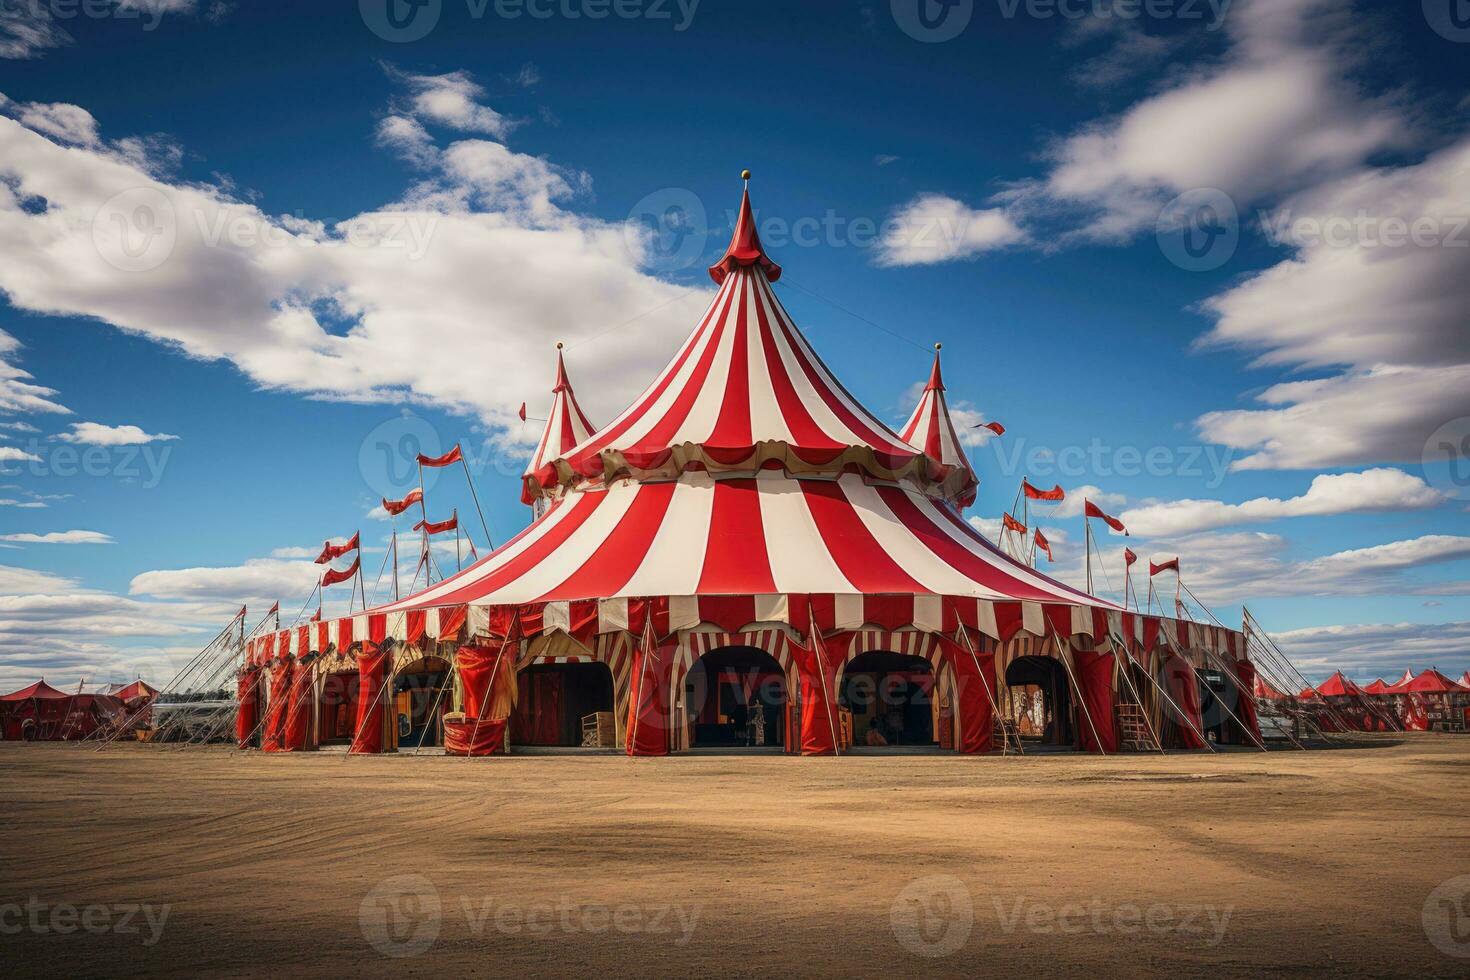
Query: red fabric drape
[(296, 732), (974, 674), (1095, 679), (817, 674), (373, 663), (537, 718), (476, 667), (474, 737), (280, 701), (1183, 687), (247, 693), (648, 700), (1246, 709)]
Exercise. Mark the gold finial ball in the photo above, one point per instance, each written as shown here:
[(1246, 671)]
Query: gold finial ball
[(558, 345), (937, 346), (745, 175)]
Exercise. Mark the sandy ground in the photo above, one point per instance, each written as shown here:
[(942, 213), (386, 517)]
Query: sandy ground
[(147, 860)]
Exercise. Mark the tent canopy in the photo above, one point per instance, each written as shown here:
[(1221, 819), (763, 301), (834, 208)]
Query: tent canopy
[(1432, 682), (1339, 686), (39, 690)]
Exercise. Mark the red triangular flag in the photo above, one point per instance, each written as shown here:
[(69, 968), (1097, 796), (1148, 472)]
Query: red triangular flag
[(1172, 563), (1009, 523), (396, 507), (523, 411), (1091, 509), (453, 456), (332, 576), (1043, 544), (995, 427), (1129, 557), (1032, 493)]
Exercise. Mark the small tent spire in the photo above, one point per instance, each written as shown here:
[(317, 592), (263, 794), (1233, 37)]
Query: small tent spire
[(936, 382), (566, 426), (745, 244)]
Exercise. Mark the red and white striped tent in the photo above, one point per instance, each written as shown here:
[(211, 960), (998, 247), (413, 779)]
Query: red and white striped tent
[(746, 492), (566, 426)]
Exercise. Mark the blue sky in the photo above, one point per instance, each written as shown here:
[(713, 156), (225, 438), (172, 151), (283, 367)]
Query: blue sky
[(1013, 192)]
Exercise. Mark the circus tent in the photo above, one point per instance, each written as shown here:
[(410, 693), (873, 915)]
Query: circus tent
[(747, 495), (1378, 686)]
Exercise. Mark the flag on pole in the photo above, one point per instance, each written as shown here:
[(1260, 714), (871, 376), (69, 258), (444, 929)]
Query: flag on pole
[(523, 411), (1032, 493), (332, 551), (396, 507), (1009, 523), (1172, 563), (1091, 509), (995, 427), (333, 576), (1129, 557), (1043, 544), (440, 528), (453, 456)]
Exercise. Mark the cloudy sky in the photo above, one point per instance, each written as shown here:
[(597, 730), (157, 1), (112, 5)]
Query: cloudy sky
[(1209, 265)]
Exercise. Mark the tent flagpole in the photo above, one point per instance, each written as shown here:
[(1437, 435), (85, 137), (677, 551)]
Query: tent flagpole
[(1087, 538), (489, 542)]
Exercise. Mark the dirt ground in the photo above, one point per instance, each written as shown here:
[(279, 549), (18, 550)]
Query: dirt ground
[(151, 860)]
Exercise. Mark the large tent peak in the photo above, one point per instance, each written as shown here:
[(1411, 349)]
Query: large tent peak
[(745, 246), (931, 430)]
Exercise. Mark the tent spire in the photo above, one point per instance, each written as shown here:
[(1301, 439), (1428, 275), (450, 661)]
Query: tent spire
[(566, 426), (931, 430), (745, 244)]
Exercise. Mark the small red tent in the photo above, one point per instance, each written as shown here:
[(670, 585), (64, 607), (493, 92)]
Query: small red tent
[(1379, 686), (1338, 686), (36, 711), (1398, 686), (1263, 688), (1431, 682)]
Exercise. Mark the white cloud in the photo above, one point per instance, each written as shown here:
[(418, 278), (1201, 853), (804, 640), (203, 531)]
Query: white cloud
[(1276, 111), (17, 394), (59, 537), (934, 228), (18, 427), (453, 100), (26, 31), (259, 579), (20, 581), (1374, 650), (1347, 493), (1071, 506), (59, 120), (96, 434), (501, 271), (9, 454), (23, 504), (295, 552), (1245, 566)]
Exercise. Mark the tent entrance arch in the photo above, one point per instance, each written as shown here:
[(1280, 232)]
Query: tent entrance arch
[(420, 702), (736, 697), (552, 698), (1039, 700), (892, 698), (337, 708)]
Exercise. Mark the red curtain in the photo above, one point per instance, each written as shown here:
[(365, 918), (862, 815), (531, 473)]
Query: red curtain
[(1246, 710), (974, 674), (476, 667), (373, 663), (537, 718), (648, 701), (1183, 687), (247, 693), (1095, 679), (818, 677), (474, 737), (297, 730), (275, 719)]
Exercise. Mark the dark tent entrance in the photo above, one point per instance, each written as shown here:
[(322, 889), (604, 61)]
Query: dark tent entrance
[(337, 711), (892, 699), (1040, 698), (1219, 701), (552, 699), (735, 697), (420, 702)]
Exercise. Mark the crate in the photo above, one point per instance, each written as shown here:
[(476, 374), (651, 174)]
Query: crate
[(598, 730)]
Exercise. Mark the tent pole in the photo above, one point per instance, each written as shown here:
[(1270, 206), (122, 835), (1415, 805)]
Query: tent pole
[(489, 542), (1081, 699), (1005, 740)]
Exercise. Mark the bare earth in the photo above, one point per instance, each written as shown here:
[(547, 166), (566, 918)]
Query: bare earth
[(1227, 865)]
